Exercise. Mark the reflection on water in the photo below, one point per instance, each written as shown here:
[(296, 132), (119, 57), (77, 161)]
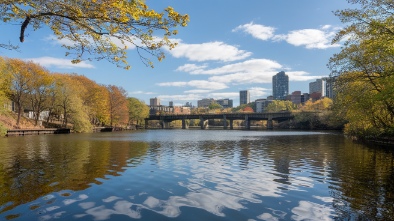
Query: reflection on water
[(194, 175)]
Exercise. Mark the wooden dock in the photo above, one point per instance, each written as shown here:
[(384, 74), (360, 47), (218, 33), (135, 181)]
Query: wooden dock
[(22, 132)]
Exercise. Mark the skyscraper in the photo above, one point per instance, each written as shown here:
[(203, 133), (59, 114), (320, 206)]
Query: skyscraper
[(244, 97), (154, 102), (319, 86), (280, 86)]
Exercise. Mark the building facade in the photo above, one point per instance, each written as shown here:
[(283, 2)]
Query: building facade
[(319, 86), (154, 102), (280, 86), (225, 103), (262, 104), (244, 97), (205, 102)]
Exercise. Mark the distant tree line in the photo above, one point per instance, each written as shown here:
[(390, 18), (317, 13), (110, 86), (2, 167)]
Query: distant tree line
[(71, 100)]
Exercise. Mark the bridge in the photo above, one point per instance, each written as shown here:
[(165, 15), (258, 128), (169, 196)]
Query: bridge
[(247, 117)]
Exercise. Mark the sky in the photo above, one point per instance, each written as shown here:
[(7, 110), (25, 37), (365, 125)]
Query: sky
[(227, 46)]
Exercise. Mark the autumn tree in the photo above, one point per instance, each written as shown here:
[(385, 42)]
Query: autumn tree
[(279, 105), (39, 90), (138, 110), (18, 78), (365, 69), (95, 99), (70, 104), (118, 105), (98, 29)]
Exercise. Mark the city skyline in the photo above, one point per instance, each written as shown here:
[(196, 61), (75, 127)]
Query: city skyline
[(219, 53)]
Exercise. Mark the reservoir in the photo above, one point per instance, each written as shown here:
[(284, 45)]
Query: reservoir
[(195, 175)]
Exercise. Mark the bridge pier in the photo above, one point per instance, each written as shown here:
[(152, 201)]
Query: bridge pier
[(224, 122), (165, 124), (184, 125), (146, 123), (231, 124), (270, 123), (247, 122)]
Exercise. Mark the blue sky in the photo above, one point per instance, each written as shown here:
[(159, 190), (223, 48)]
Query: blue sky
[(227, 46)]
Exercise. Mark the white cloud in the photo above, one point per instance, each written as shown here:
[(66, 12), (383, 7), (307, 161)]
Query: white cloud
[(210, 51), (191, 68), (181, 97), (258, 92), (310, 38), (49, 62), (197, 91), (253, 65), (301, 76), (200, 84), (257, 31), (141, 92), (224, 95)]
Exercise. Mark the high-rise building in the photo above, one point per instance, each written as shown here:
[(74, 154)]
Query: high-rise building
[(330, 91), (205, 102), (262, 104), (295, 97), (225, 103), (154, 102), (319, 86), (280, 86), (244, 97)]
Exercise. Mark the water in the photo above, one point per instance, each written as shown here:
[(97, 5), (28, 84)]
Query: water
[(195, 175)]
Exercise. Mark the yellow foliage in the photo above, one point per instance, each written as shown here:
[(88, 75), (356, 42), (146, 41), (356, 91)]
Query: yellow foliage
[(93, 27)]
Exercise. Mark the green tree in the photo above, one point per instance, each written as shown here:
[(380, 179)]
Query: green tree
[(279, 105), (365, 68), (70, 104), (214, 106), (102, 29), (138, 110)]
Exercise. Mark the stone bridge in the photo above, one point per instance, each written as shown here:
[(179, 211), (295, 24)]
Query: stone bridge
[(247, 117)]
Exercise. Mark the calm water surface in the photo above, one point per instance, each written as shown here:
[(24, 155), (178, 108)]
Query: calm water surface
[(195, 175)]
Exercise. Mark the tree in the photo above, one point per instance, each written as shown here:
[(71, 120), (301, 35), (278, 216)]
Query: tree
[(102, 29), (39, 90), (95, 99), (19, 76), (138, 110), (214, 106), (365, 68), (70, 103), (278, 105), (118, 107)]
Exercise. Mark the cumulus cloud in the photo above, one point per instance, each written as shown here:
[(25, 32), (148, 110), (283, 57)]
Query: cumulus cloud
[(200, 84), (224, 95), (309, 38), (141, 92), (181, 97), (257, 31), (210, 51), (191, 68), (258, 92), (301, 76), (49, 62), (253, 65)]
